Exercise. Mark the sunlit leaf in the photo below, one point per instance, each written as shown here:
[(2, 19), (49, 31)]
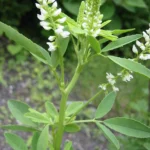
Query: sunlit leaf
[(128, 127), (121, 42), (43, 139), (131, 65), (109, 135), (16, 142), (105, 105)]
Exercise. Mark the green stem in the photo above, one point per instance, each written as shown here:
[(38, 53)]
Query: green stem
[(86, 121), (65, 94), (59, 134), (87, 103), (74, 79), (62, 72)]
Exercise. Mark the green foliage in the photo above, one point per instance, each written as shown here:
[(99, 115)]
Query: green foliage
[(131, 65), (109, 135), (18, 110), (72, 128), (33, 48), (43, 139), (19, 128), (94, 44), (128, 127), (73, 108), (35, 139), (68, 145), (16, 142), (121, 42), (106, 105)]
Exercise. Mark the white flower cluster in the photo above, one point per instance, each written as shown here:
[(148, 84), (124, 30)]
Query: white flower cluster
[(92, 19), (145, 48), (124, 75), (50, 19)]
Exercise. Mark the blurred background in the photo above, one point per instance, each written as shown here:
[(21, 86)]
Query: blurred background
[(26, 79)]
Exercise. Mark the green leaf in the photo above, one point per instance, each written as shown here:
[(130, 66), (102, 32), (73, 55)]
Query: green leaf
[(128, 127), (62, 44), (108, 35), (76, 29), (43, 139), (106, 105), (36, 116), (94, 44), (72, 6), (35, 138), (72, 128), (51, 110), (68, 145), (137, 3), (147, 146), (14, 49), (55, 58), (16, 142), (109, 135), (118, 32), (19, 128), (73, 108), (18, 109), (108, 9), (121, 42), (105, 23), (81, 13), (33, 48), (131, 65)]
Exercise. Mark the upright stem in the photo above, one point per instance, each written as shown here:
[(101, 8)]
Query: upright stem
[(65, 93), (59, 134), (74, 79)]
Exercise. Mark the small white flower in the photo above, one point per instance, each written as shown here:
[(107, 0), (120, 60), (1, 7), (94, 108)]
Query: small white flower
[(38, 5), (52, 38), (54, 5), (115, 89), (142, 48), (84, 25), (45, 25), (148, 31), (60, 26), (41, 17), (127, 77), (134, 49), (65, 34), (148, 56), (51, 1), (57, 12), (97, 32), (144, 56), (103, 87), (138, 43), (110, 78), (43, 11), (58, 31), (62, 20), (145, 35), (44, 2), (52, 46), (119, 74)]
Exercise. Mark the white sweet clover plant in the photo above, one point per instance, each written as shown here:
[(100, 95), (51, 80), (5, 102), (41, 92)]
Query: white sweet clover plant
[(88, 37)]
